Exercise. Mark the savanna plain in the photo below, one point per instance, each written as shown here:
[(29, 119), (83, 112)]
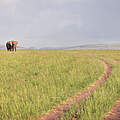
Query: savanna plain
[(34, 82)]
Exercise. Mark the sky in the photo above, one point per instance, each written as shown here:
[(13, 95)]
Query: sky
[(59, 23)]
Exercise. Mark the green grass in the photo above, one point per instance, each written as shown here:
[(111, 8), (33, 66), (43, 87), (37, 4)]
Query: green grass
[(33, 82), (103, 98)]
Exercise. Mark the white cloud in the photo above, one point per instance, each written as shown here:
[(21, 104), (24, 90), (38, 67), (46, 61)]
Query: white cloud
[(8, 6), (7, 1)]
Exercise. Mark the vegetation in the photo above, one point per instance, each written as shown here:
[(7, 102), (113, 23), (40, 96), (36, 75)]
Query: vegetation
[(103, 98), (32, 82)]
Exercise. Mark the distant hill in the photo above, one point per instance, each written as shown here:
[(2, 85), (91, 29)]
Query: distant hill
[(2, 47), (89, 46), (19, 47), (79, 47), (96, 46)]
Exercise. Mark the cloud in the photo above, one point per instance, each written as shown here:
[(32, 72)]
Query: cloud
[(7, 1), (9, 7), (59, 22)]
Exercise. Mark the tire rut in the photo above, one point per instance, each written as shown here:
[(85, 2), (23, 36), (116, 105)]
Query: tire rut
[(61, 109), (114, 114)]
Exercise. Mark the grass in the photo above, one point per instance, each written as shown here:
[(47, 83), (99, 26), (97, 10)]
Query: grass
[(33, 82), (103, 98)]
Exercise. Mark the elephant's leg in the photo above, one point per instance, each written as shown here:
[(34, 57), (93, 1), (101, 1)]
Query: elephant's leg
[(12, 48), (15, 49)]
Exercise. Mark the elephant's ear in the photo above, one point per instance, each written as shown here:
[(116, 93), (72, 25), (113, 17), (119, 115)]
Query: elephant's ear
[(16, 42)]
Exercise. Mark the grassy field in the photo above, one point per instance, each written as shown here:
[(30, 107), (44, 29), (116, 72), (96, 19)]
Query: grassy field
[(101, 101), (33, 82)]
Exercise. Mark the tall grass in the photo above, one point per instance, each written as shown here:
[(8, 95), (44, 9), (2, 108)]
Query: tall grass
[(33, 82), (103, 98)]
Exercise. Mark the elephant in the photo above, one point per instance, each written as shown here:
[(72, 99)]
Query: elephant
[(14, 45), (11, 45)]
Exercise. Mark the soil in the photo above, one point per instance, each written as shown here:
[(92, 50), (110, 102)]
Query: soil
[(115, 112)]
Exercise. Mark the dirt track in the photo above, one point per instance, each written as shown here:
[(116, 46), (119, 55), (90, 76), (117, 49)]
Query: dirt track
[(115, 112), (60, 110)]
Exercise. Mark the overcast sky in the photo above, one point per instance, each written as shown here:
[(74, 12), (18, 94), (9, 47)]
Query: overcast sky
[(55, 23)]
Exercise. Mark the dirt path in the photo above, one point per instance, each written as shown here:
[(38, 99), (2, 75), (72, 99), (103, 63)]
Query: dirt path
[(61, 109), (115, 112)]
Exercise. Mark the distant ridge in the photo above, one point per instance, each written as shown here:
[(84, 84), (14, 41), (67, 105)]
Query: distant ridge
[(78, 47), (2, 47), (97, 46), (88, 46)]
